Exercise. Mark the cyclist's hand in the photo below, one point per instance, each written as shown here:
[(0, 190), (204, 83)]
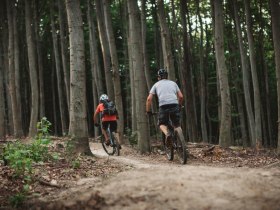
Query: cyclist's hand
[(96, 124), (149, 113)]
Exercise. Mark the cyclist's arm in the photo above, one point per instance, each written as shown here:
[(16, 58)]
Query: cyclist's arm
[(149, 102), (180, 97), (95, 115)]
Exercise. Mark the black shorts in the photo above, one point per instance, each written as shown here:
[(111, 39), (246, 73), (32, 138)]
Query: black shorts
[(171, 111), (113, 125)]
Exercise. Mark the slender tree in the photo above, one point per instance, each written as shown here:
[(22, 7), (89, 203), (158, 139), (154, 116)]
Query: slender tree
[(275, 11), (139, 76), (78, 127), (58, 72), (32, 69), (115, 67), (166, 41), (225, 121), (255, 79)]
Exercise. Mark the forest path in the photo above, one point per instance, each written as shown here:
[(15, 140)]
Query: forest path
[(160, 184)]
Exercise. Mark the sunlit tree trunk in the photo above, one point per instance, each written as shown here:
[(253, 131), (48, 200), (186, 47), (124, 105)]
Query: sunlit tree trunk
[(78, 127), (275, 11), (32, 69), (225, 120), (139, 77)]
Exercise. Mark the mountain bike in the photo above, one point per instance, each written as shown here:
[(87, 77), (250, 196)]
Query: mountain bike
[(178, 143), (113, 148)]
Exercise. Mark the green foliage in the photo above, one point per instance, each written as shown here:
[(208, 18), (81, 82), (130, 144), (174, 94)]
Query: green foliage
[(132, 136), (17, 199)]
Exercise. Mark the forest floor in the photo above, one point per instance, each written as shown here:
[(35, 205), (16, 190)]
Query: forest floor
[(213, 178)]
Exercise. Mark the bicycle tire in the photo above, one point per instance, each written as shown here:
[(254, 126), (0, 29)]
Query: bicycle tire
[(181, 148), (169, 151), (110, 150), (116, 145)]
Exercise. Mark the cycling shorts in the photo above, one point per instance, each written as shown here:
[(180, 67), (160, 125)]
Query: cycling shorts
[(171, 111), (113, 125)]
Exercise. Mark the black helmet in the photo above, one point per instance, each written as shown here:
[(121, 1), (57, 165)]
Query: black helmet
[(162, 73)]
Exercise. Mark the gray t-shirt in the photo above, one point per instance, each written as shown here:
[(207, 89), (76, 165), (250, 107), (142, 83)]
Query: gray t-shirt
[(166, 90)]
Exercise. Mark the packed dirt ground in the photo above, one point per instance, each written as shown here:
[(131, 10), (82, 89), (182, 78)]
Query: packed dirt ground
[(213, 178)]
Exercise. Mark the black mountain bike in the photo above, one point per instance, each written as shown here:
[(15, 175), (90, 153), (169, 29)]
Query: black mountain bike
[(178, 143), (114, 147)]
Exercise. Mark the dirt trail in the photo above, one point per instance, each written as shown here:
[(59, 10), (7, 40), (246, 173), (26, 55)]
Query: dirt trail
[(164, 185)]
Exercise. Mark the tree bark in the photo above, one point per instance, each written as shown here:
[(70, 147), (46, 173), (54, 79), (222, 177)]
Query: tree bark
[(58, 72), (225, 122), (78, 127), (246, 85), (166, 42), (64, 52), (256, 88), (275, 11), (32, 69), (115, 68), (105, 49), (139, 77)]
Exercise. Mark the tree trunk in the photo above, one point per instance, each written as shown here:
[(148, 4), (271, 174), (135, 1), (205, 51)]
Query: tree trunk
[(18, 132), (246, 86), (105, 49), (166, 42), (78, 127), (40, 63), (275, 11), (186, 76), (115, 68), (64, 53), (32, 69), (2, 101), (138, 68), (225, 123), (257, 96), (58, 72)]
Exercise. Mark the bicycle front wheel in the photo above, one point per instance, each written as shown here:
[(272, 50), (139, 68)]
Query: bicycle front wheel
[(181, 148)]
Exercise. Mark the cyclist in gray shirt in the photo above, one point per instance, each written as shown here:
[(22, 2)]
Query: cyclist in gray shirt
[(170, 99)]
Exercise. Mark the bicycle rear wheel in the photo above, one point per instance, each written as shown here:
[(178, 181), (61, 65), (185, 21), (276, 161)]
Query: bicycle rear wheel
[(110, 149), (169, 150), (181, 148), (116, 145)]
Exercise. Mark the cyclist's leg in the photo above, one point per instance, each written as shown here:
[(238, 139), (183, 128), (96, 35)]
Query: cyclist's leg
[(163, 121), (104, 132), (114, 129)]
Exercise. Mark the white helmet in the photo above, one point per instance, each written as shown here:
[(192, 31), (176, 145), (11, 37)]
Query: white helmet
[(103, 97)]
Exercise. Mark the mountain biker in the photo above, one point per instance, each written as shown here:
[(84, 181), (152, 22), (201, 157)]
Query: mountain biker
[(106, 119), (170, 99)]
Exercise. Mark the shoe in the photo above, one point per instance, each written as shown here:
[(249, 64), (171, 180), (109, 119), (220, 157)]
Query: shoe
[(168, 140), (119, 146), (107, 142)]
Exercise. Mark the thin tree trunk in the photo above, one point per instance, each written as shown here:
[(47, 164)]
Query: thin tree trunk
[(275, 11), (105, 49), (256, 88), (78, 127), (138, 68), (246, 86), (58, 72), (63, 38), (40, 63), (32, 69), (225, 126), (2, 101), (166, 42), (18, 132), (115, 68)]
